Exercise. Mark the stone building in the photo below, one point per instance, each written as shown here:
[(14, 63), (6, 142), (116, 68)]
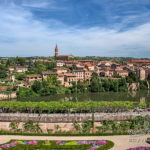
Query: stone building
[(33, 78), (69, 78), (141, 73), (82, 75)]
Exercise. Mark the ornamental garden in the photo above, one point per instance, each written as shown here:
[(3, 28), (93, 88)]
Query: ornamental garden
[(58, 145)]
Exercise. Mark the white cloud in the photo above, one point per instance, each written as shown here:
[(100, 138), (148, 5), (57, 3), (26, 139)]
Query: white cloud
[(35, 3), (22, 35)]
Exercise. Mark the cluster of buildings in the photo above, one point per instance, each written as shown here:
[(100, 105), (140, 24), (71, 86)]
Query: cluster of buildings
[(69, 69)]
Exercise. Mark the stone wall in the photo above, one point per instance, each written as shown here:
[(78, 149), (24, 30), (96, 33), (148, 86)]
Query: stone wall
[(69, 118), (4, 96), (45, 126), (64, 121)]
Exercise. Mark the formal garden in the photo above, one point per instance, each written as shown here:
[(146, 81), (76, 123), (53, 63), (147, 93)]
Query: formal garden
[(63, 145), (58, 145)]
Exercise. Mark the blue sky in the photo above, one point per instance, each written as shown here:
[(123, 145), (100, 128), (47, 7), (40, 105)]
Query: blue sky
[(79, 27)]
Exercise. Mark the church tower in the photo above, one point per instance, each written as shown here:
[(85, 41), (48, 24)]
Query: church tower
[(56, 51)]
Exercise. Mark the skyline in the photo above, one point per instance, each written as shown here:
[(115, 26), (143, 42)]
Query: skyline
[(81, 28)]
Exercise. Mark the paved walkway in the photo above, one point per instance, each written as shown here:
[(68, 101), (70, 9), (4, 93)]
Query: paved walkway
[(122, 142)]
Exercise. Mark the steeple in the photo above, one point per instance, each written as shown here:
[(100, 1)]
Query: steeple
[(56, 51)]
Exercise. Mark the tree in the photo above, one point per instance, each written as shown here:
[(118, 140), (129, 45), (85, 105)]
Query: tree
[(20, 76), (53, 80), (50, 65), (3, 74), (132, 77), (40, 68), (148, 78), (20, 61), (26, 92), (95, 82), (28, 126), (82, 87), (37, 86), (14, 125)]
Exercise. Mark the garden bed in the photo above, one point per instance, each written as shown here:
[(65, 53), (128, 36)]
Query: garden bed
[(58, 145), (140, 148)]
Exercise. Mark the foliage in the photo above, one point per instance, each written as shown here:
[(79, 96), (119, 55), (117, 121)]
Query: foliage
[(54, 106), (30, 126), (137, 125), (116, 76), (132, 77), (14, 125), (37, 86), (40, 67), (20, 61), (20, 76), (3, 71), (3, 74), (83, 127), (26, 92), (143, 85), (105, 85)]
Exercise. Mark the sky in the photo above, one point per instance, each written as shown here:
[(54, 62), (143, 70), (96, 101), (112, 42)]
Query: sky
[(108, 28)]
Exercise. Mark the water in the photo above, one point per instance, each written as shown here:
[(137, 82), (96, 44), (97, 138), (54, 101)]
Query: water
[(104, 96)]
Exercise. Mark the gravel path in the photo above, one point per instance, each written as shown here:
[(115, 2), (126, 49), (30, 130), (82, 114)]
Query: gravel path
[(122, 142)]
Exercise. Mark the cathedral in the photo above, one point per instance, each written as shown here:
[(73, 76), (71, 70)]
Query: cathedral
[(61, 57)]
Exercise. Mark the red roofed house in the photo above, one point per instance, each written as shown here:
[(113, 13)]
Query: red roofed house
[(122, 73), (60, 70), (69, 78), (32, 78)]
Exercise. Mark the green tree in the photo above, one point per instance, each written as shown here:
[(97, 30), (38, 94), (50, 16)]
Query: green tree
[(20, 61), (95, 83), (3, 74), (40, 68), (37, 86), (20, 76), (14, 125), (26, 92), (132, 77), (29, 126)]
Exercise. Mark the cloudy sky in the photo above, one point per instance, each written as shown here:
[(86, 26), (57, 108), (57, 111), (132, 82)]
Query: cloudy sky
[(79, 27)]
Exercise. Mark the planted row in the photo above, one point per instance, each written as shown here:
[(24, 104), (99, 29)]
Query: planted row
[(63, 107)]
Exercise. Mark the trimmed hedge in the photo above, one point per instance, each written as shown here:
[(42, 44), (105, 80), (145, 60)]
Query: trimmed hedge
[(62, 134), (63, 107)]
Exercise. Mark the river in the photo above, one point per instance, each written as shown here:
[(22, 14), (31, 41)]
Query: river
[(104, 96)]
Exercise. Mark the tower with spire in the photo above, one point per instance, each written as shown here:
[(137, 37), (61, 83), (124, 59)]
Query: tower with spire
[(56, 51)]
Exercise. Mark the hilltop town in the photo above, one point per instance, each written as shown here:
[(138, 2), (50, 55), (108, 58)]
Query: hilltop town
[(67, 71)]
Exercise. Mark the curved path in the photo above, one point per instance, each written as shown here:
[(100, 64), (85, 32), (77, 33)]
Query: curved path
[(122, 142)]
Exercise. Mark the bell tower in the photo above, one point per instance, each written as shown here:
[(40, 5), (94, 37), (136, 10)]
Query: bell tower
[(56, 51)]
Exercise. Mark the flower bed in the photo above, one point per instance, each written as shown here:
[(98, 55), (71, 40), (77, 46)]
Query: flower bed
[(58, 145), (140, 148)]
